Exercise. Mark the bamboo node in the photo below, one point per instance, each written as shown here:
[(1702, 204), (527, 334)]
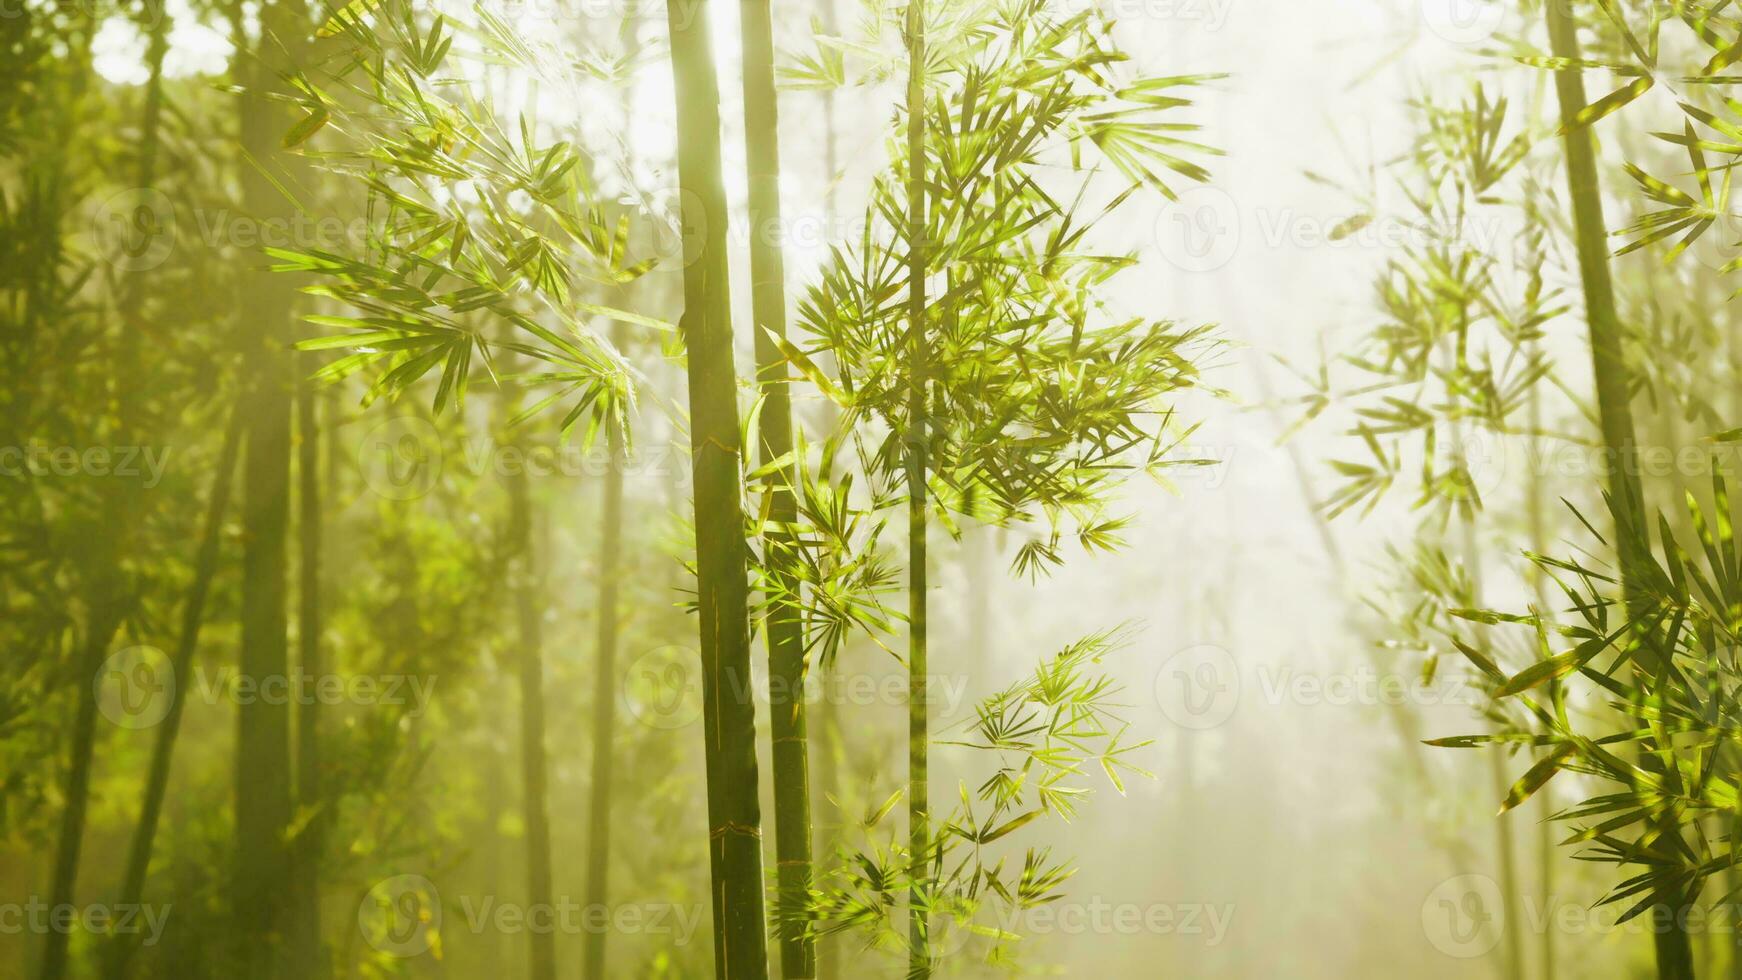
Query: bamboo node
[(729, 827)]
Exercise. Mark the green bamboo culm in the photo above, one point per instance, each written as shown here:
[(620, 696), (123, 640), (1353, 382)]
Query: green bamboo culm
[(918, 801), (826, 787), (307, 956), (1615, 414), (263, 790), (163, 749), (107, 594), (593, 946), (604, 700), (529, 614), (785, 630), (716, 450)]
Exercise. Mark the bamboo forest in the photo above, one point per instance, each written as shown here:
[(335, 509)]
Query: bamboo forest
[(745, 489)]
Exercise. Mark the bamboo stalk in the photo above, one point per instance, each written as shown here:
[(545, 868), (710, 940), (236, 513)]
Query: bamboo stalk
[(786, 653), (729, 713), (1545, 841), (1615, 414), (163, 750), (107, 592), (263, 774), (827, 718), (604, 697), (529, 658), (918, 734), (305, 940), (593, 946)]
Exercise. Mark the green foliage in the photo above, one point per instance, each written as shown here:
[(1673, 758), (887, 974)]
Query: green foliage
[(1666, 677), (1456, 352), (1042, 736), (477, 222), (1040, 393)]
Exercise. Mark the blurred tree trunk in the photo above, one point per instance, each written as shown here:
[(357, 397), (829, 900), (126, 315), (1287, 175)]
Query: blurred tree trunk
[(107, 597), (163, 751), (722, 591), (1537, 522), (826, 717), (264, 807), (610, 571), (605, 700), (525, 581), (1614, 391), (307, 958)]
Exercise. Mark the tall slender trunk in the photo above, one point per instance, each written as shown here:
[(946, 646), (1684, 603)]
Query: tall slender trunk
[(716, 450), (163, 751), (525, 579), (1538, 528), (610, 571), (118, 503), (604, 696), (786, 657), (828, 966), (105, 621), (307, 957), (263, 753), (1615, 414), (604, 703), (918, 434), (1512, 893)]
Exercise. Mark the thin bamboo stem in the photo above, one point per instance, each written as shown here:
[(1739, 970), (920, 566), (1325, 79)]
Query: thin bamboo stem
[(163, 750), (1615, 414), (918, 435)]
